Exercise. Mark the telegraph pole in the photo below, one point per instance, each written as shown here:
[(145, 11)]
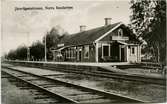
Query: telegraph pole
[(45, 50), (28, 48), (28, 53)]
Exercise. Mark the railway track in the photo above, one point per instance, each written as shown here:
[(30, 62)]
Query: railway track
[(107, 74), (41, 95), (67, 91)]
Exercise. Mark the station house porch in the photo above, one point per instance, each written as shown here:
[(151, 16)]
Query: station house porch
[(118, 51)]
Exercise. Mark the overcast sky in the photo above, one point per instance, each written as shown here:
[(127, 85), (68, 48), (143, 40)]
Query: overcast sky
[(16, 25)]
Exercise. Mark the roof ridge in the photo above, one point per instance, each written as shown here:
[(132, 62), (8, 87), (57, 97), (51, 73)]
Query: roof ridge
[(96, 28)]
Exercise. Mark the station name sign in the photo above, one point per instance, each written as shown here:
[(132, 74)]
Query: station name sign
[(60, 45), (120, 38)]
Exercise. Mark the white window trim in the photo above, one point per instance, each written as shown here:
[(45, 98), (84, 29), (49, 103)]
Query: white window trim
[(105, 44), (88, 51)]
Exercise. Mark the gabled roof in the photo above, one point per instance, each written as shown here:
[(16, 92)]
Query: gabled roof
[(86, 37)]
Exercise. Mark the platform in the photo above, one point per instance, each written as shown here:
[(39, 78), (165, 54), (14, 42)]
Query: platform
[(131, 69), (81, 63)]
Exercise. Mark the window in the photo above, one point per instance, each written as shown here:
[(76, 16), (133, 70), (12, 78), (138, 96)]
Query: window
[(120, 32), (72, 52), (132, 50), (105, 50), (86, 51), (67, 53)]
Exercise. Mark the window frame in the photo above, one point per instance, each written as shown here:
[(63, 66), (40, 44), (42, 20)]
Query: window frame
[(120, 32), (72, 52), (67, 53), (132, 52), (108, 50)]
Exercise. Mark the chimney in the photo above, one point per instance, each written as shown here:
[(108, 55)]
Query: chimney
[(107, 21), (82, 28)]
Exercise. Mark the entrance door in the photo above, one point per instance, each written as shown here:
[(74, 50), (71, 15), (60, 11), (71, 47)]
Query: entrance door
[(114, 52), (122, 55), (105, 51)]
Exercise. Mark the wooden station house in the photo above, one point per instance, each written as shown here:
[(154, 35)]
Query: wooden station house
[(108, 43)]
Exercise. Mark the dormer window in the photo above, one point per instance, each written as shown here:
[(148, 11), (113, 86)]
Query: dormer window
[(120, 32)]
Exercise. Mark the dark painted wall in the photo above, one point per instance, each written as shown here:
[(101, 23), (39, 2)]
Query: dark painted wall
[(83, 59)]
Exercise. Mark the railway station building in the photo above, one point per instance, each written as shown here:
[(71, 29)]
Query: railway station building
[(108, 43)]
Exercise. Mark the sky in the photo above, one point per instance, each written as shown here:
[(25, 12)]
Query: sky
[(21, 27)]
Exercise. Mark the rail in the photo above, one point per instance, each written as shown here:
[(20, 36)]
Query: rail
[(108, 96)]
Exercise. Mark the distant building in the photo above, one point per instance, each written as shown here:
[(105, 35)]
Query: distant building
[(109, 43)]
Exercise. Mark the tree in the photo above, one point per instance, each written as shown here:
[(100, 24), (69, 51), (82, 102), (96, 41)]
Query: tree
[(11, 55), (37, 50), (148, 20), (52, 39), (20, 53)]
